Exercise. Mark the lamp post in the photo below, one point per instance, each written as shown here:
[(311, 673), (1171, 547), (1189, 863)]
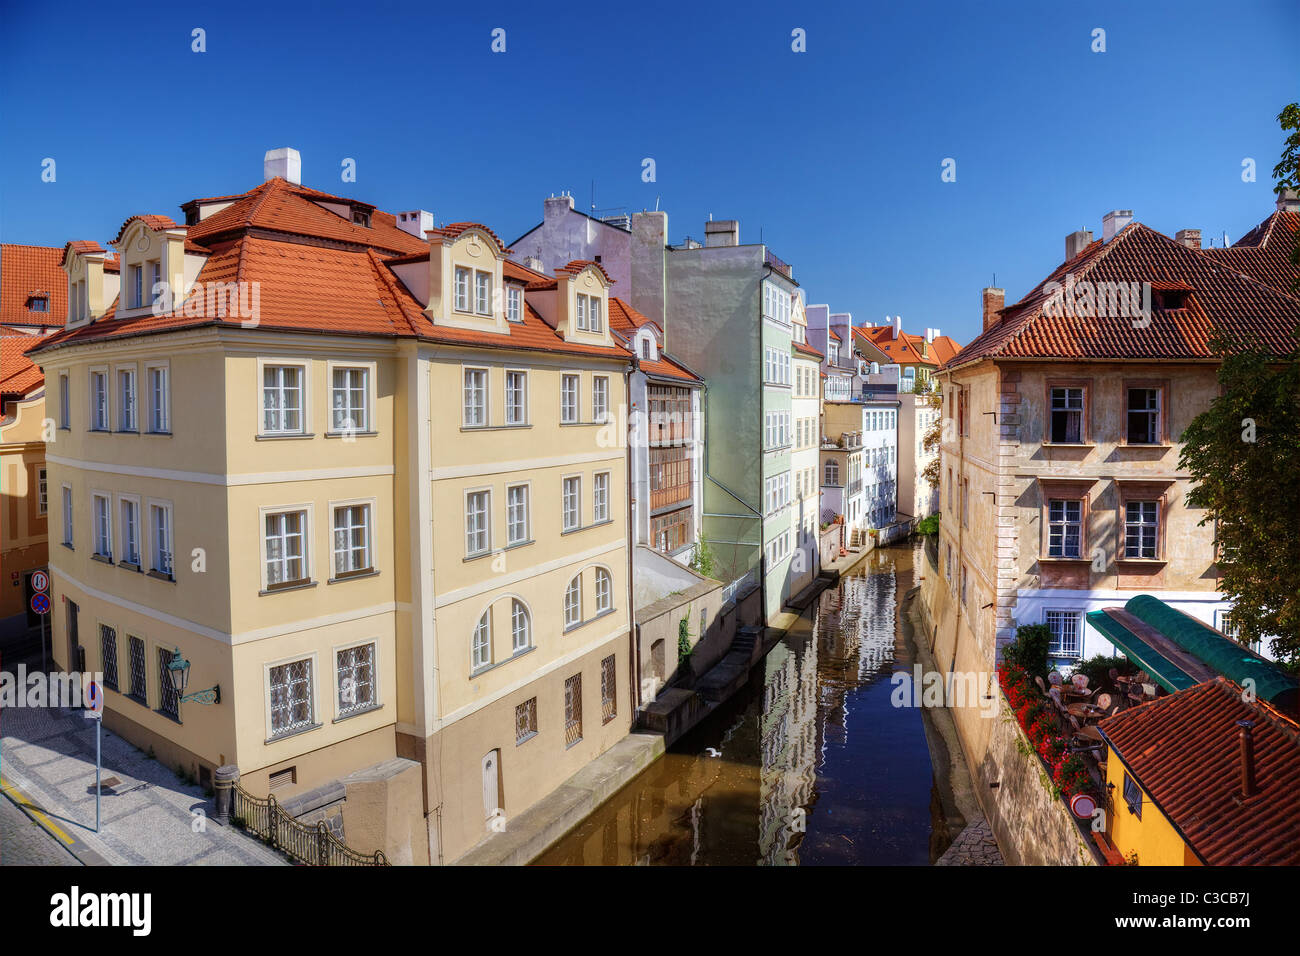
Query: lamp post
[(178, 669)]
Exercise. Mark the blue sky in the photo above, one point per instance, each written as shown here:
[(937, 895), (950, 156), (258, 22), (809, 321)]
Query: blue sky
[(833, 154)]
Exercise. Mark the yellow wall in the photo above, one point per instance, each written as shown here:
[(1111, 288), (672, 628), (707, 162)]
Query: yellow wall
[(1153, 838)]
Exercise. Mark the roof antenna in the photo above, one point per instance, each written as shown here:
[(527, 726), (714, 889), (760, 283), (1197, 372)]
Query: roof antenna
[(656, 203), (593, 195)]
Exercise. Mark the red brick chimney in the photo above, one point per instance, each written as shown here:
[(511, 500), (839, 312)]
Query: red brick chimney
[(1191, 238), (993, 302), (1248, 787)]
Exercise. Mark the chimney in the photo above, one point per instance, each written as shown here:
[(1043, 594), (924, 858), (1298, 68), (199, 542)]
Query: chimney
[(556, 206), (1248, 788), (993, 302), (417, 222), (898, 326), (1191, 238), (534, 263), (285, 163), (722, 232), (1113, 222), (931, 335), (1076, 242), (1288, 200), (648, 290)]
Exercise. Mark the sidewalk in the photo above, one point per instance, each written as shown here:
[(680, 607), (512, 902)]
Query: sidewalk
[(47, 766)]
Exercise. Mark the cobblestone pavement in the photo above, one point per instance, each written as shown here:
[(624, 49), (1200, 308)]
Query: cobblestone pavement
[(23, 842), (974, 846), (149, 816)]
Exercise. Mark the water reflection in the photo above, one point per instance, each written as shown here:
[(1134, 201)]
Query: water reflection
[(813, 765)]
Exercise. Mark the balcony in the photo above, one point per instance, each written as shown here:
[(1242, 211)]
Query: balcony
[(779, 265), (855, 487)]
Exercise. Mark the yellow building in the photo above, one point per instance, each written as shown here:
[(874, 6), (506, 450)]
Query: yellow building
[(362, 479), (1203, 776), (24, 499)]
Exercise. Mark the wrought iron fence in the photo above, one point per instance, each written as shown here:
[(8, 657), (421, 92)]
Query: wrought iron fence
[(312, 844)]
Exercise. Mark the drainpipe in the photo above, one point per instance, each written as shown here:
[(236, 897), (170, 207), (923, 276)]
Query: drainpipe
[(634, 630)]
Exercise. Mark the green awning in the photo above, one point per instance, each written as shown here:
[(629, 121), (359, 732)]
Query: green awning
[(1223, 655), (1162, 670)]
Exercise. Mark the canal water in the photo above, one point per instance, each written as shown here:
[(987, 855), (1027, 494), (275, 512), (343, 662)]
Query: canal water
[(809, 764)]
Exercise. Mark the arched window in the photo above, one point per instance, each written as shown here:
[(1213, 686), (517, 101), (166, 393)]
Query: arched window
[(604, 591), (832, 472), (482, 648), (573, 602), (520, 630)]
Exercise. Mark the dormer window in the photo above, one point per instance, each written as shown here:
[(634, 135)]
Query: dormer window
[(38, 303), (582, 313), (483, 293), (514, 303), (645, 348), (589, 317), (462, 289), (361, 218), (137, 287), (834, 353), (1166, 299)]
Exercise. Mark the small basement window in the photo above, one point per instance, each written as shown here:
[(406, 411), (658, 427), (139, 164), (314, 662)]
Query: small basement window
[(284, 778)]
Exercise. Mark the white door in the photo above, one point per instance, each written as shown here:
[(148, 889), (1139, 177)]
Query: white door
[(491, 779)]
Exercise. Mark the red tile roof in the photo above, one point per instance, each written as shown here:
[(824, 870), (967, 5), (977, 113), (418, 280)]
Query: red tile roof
[(905, 349), (457, 228), (154, 222), (278, 205), (624, 321), (1221, 299), (1264, 253), (1184, 751), (808, 350), (18, 376), (27, 271)]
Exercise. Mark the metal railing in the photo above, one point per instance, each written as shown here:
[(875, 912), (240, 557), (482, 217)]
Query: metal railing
[(314, 845)]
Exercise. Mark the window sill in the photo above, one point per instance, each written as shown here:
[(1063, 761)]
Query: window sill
[(129, 566), (172, 717), (519, 742), (158, 434), (1056, 559), (126, 431), (1069, 444), (292, 733), (366, 434), (103, 559), (479, 556), (355, 713), (289, 437), (519, 544), (582, 424), (575, 743), (588, 527), (480, 671), (68, 546), (301, 586), (495, 428), (138, 699), (354, 576), (160, 576), (1146, 561), (582, 624), (1158, 445)]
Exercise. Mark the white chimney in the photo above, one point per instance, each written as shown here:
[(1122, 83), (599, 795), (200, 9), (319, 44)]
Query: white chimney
[(898, 326), (283, 162), (1113, 222), (417, 222), (534, 263), (723, 232), (931, 334)]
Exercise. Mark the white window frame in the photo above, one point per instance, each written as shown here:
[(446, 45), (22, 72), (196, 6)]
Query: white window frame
[(522, 419), (514, 303), (123, 556), (308, 538), (67, 515), (486, 409), (65, 400), (478, 661), (313, 671), (517, 603), (1055, 649), (375, 701), (595, 315), (462, 276), (600, 511), (100, 422), (42, 491), (367, 422), (574, 620), (600, 411), (577, 399), (101, 536), (580, 310), (304, 395), (486, 531), (482, 292), (511, 539), (163, 411), (119, 371), (152, 540), (369, 504), (607, 605), (564, 504)]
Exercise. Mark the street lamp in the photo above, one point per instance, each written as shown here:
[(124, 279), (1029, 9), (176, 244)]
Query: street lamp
[(178, 669)]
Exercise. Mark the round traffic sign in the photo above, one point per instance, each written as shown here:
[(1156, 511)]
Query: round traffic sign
[(40, 581), (1083, 805), (94, 696), (41, 603)]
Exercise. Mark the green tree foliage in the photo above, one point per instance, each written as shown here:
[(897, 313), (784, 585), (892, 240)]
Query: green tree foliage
[(1243, 455), (1286, 174), (933, 435), (703, 561), (1029, 650)]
